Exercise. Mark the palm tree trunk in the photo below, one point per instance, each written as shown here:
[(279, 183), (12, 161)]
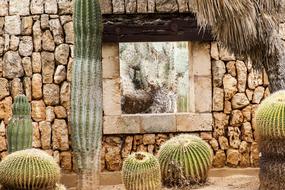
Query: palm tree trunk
[(86, 94)]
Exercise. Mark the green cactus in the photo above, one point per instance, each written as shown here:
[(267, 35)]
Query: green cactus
[(184, 160), (86, 100), (20, 129), (29, 169), (270, 117), (141, 171)]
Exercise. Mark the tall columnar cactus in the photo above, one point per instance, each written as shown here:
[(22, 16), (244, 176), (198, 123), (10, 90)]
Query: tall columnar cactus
[(141, 171), (29, 169), (20, 129), (86, 102), (270, 124), (184, 160)]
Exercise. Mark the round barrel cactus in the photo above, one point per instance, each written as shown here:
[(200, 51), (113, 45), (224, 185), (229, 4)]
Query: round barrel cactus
[(270, 117), (184, 160), (29, 169), (141, 171), (20, 129)]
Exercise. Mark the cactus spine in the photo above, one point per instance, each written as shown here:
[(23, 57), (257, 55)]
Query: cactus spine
[(141, 171), (29, 169), (20, 129), (270, 123), (184, 160), (86, 104)]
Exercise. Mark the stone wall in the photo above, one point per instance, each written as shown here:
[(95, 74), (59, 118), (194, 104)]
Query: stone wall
[(36, 56)]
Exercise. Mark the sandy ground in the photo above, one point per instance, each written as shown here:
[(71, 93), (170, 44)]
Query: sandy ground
[(237, 182)]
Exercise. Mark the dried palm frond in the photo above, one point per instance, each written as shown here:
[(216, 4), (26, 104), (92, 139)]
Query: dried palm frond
[(270, 6)]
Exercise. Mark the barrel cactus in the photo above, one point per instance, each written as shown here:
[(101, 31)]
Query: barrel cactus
[(184, 160), (20, 129), (141, 171), (28, 170), (86, 97)]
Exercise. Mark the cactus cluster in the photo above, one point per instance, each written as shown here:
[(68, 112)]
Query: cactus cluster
[(86, 97), (270, 124), (29, 169), (184, 160), (141, 171), (20, 129)]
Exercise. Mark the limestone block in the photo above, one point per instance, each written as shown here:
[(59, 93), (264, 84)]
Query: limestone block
[(50, 115), (224, 143), (36, 135), (148, 139), (19, 7), (3, 144), (218, 72), (215, 51), (214, 144), (166, 6), (111, 97), (151, 6), (37, 85), (141, 6), (131, 6), (12, 67), (44, 21), (231, 68), (218, 99), (241, 75), (4, 8), (225, 55), (13, 25), (62, 54), (125, 124), (127, 147), (37, 6), (228, 107), (69, 33), (234, 137), (113, 158), (45, 130), (206, 136), (37, 36), (2, 45), (65, 7), (191, 122), (27, 65), (203, 94), (200, 58), (110, 60), (4, 88), (65, 95), (38, 110), (48, 41), (6, 109), (28, 88), (258, 94), (26, 46), (36, 62), (158, 123), (230, 86), (118, 6), (249, 94), (247, 113), (60, 135), (50, 7), (65, 160), (247, 134), (233, 157), (236, 117), (239, 101), (219, 159), (48, 65), (57, 31), (51, 94), (60, 112), (221, 121), (60, 74), (27, 25), (16, 87), (183, 6)]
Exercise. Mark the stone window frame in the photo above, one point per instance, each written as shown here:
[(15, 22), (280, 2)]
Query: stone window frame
[(199, 119)]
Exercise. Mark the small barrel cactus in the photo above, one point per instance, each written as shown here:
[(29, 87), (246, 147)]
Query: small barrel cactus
[(141, 171), (270, 117), (28, 170), (184, 160), (20, 129)]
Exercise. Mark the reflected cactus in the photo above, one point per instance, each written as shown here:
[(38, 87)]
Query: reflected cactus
[(141, 171), (184, 160), (29, 169), (20, 129)]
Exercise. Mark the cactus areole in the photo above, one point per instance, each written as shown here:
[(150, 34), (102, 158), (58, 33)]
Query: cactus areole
[(86, 100)]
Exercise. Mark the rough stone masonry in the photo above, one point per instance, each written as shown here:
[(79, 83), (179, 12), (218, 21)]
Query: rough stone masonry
[(36, 56)]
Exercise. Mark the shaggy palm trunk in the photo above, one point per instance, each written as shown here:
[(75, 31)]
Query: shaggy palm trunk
[(86, 103)]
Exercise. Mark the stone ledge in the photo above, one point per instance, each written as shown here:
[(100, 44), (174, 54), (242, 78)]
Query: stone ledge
[(157, 123)]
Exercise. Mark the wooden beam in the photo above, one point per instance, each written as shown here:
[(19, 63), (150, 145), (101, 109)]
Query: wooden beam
[(153, 28)]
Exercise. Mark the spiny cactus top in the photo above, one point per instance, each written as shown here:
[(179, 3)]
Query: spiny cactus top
[(141, 171), (270, 117), (184, 160), (21, 106), (29, 169)]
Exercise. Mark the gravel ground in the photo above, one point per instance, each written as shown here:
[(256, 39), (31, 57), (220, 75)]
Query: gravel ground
[(237, 182)]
